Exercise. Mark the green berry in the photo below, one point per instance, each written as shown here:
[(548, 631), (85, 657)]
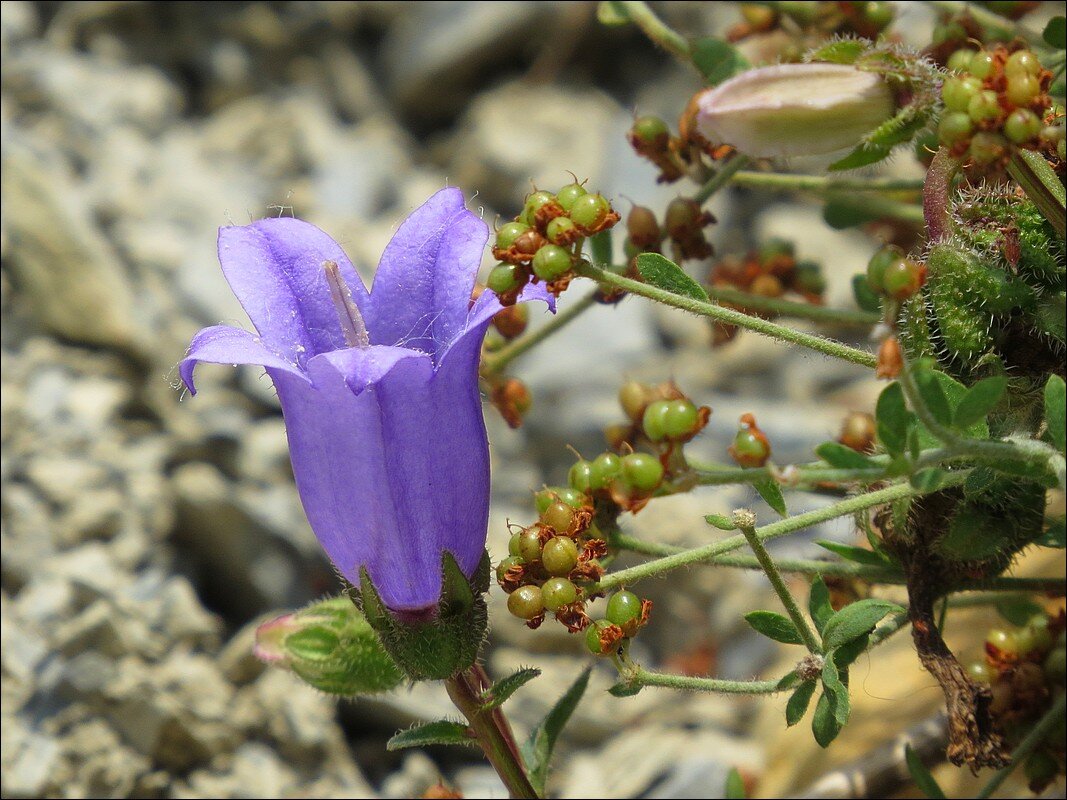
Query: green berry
[(1022, 89), (572, 497), (623, 607), (1055, 665), (643, 227), (558, 517), (506, 564), (530, 545), (750, 449), (513, 544), (983, 106), (981, 65), (589, 211), (503, 278), (534, 202), (653, 418), (958, 91), (592, 636), (550, 262), (568, 194), (881, 259), (979, 672), (558, 592), (561, 230), (563, 494), (903, 278), (560, 555), (633, 397), (960, 61), (954, 126), (987, 147), (1034, 637), (526, 602), (1022, 62), (509, 232), (581, 475), (1022, 125), (775, 248), (603, 470), (642, 471), (683, 218), (680, 419), (650, 129), (878, 15), (1004, 641)]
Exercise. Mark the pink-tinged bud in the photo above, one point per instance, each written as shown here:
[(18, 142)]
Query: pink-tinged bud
[(794, 109), (270, 639)]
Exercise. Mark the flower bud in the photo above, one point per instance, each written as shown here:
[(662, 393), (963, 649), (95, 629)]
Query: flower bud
[(795, 109)]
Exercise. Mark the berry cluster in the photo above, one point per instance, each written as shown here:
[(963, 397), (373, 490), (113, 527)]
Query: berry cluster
[(771, 271), (673, 156), (864, 19), (892, 274), (1024, 667), (997, 99), (544, 243)]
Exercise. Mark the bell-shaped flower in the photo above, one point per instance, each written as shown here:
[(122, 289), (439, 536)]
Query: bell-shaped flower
[(379, 389)]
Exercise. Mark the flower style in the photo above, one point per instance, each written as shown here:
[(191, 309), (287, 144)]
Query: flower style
[(379, 389)]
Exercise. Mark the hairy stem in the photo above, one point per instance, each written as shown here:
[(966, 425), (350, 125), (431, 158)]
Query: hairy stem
[(781, 181), (792, 308), (639, 676), (494, 363), (723, 176), (937, 202), (656, 29)]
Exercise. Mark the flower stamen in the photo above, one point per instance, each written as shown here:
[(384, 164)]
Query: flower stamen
[(352, 326)]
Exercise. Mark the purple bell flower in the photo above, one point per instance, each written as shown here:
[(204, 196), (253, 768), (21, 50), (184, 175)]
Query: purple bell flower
[(379, 389)]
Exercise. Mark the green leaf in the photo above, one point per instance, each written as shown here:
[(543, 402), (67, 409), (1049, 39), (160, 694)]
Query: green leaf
[(824, 724), (1055, 33), (856, 619), (847, 653), (798, 703), (863, 155), (666, 275), (893, 419), (864, 294), (924, 781), (1018, 611), (788, 681), (735, 786), (772, 495), (819, 603), (979, 401), (1042, 186), (717, 60), (933, 396), (860, 555), (600, 247), (720, 521), (537, 750), (1054, 411), (1055, 534), (504, 688), (774, 626), (442, 731), (833, 683), (928, 480), (838, 455), (625, 689), (611, 14)]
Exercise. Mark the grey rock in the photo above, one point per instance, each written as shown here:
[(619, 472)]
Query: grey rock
[(29, 768)]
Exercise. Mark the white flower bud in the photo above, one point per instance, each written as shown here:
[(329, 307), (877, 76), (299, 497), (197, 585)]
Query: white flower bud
[(794, 109)]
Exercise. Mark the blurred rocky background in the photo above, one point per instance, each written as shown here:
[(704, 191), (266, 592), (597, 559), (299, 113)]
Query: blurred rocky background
[(144, 534)]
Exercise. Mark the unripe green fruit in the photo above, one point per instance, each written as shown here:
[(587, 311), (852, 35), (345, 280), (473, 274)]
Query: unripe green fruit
[(981, 65), (603, 470), (987, 147), (513, 544), (881, 259), (1034, 637), (642, 471), (652, 421), (568, 194), (682, 218), (534, 202), (580, 476), (957, 92), (592, 636), (979, 672), (1022, 125), (623, 607), (1022, 89), (955, 126), (902, 279), (680, 419), (561, 230), (983, 106), (879, 15), (530, 545), (750, 449), (1004, 641), (633, 397), (560, 555), (643, 228), (960, 61), (1022, 62), (589, 211), (551, 261), (526, 602), (509, 232), (558, 517), (503, 278), (558, 592), (563, 494), (649, 129), (506, 564)]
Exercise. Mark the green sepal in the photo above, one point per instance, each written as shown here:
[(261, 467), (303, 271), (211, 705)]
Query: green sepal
[(444, 645), (440, 732)]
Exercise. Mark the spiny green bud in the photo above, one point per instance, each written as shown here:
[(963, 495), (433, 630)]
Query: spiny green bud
[(331, 646)]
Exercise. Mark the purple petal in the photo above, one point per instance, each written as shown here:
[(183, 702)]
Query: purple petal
[(274, 266), (487, 305), (424, 281), (222, 344)]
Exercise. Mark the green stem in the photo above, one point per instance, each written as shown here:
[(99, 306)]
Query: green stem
[(818, 183), (937, 193), (811, 640), (1031, 742), (639, 676), (491, 729), (730, 317), (783, 527), (494, 363), (657, 30), (723, 176), (1042, 185), (791, 308)]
